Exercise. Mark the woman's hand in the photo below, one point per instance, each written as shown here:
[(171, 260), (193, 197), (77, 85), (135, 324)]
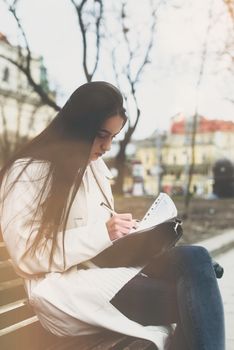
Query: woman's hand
[(120, 225)]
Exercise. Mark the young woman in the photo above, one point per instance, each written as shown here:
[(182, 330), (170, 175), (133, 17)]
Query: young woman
[(53, 226)]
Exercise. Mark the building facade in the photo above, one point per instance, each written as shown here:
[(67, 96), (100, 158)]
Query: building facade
[(165, 158), (22, 113)]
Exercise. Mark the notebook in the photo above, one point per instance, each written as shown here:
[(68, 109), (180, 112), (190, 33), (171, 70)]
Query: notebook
[(157, 231), (162, 209)]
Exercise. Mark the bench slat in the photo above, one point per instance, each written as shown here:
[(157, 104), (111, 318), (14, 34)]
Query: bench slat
[(11, 291), (106, 340), (11, 284), (28, 336), (21, 330), (18, 325), (12, 306), (7, 271), (14, 315), (140, 344), (117, 341), (85, 342), (4, 255)]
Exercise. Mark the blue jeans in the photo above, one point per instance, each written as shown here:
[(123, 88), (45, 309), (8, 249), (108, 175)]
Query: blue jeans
[(179, 287)]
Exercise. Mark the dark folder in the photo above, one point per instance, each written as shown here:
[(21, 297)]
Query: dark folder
[(137, 248)]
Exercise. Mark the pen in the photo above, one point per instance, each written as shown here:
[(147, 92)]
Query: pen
[(104, 205)]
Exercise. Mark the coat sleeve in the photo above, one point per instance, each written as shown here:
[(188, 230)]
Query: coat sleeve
[(19, 229)]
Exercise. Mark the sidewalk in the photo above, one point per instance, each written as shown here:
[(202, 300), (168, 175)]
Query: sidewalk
[(219, 244), (227, 290), (222, 248)]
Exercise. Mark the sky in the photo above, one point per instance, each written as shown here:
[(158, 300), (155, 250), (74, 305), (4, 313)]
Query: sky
[(169, 83)]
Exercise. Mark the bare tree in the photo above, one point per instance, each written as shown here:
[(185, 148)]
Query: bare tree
[(132, 69), (89, 16), (21, 94), (89, 22), (194, 125), (24, 60), (230, 40)]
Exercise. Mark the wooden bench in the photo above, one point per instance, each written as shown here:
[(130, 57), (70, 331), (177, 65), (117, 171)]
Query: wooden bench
[(21, 330)]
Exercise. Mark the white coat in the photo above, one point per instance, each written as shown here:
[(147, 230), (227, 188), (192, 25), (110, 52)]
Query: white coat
[(69, 300)]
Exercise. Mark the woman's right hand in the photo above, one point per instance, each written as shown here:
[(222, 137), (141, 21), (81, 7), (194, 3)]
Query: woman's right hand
[(120, 225)]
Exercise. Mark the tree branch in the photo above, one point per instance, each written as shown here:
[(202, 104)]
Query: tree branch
[(133, 81), (12, 9), (98, 36), (37, 88), (195, 117), (27, 69), (84, 31)]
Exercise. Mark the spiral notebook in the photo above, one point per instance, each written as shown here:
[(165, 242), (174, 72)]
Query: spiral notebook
[(162, 209), (160, 229)]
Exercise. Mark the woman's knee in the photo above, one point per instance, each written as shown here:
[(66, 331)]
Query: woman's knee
[(191, 255), (187, 259)]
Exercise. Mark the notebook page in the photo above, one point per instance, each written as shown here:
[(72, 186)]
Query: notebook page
[(161, 210)]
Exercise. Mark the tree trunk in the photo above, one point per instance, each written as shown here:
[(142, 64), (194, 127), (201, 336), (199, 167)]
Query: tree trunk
[(187, 197), (121, 158)]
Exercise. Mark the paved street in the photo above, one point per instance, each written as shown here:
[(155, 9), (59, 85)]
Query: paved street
[(227, 289)]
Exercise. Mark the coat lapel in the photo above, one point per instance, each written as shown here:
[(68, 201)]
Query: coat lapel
[(103, 176)]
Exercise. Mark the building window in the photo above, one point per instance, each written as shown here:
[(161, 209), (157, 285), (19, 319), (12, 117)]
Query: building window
[(6, 74), (203, 158)]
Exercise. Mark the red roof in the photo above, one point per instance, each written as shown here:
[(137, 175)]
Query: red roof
[(204, 125)]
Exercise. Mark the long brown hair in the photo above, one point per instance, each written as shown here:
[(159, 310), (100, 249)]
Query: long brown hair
[(65, 145)]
